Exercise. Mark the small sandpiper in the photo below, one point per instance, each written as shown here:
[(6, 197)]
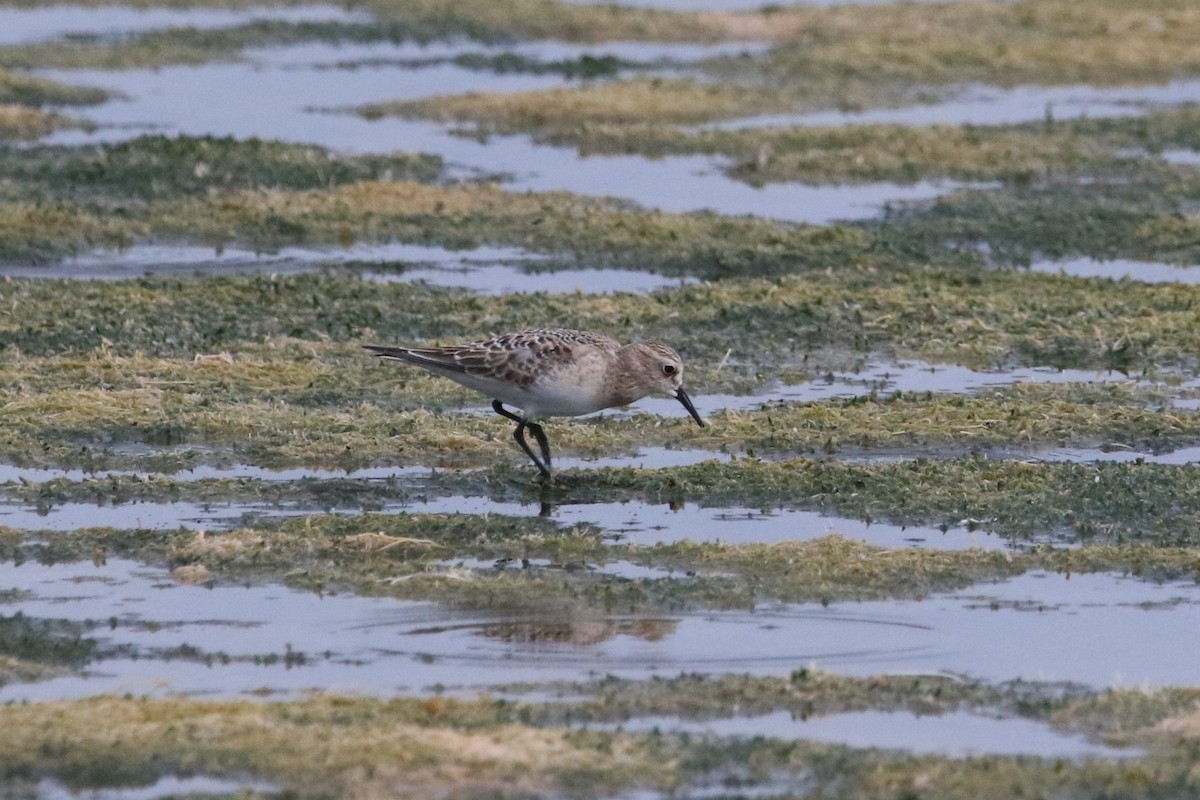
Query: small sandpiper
[(553, 372)]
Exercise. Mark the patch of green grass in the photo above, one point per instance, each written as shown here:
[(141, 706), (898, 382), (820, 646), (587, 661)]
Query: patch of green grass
[(986, 320), (27, 90), (549, 19), (585, 67), (31, 231), (1131, 715), (34, 649), (1146, 219), (153, 168), (838, 56), (603, 231)]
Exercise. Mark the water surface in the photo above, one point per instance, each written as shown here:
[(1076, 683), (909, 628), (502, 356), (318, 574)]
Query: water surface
[(957, 734), (1100, 630)]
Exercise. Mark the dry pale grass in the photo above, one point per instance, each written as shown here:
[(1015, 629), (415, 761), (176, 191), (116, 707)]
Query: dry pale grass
[(35, 227), (354, 748), (1185, 726), (192, 574), (617, 102), (1049, 41), (17, 670), (25, 123)]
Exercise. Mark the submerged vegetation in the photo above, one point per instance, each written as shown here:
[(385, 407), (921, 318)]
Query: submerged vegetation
[(33, 649)]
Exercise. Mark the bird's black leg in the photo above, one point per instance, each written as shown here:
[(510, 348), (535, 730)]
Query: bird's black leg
[(519, 435), (542, 441)]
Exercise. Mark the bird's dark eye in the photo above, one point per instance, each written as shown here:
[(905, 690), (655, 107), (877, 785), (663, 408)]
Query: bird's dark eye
[(668, 369)]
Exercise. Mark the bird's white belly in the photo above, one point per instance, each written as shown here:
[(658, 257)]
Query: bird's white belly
[(554, 400), (545, 398)]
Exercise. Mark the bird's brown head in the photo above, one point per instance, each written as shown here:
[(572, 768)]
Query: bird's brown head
[(659, 370)]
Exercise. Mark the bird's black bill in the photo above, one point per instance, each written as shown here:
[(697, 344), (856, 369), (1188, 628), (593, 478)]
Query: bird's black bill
[(682, 397)]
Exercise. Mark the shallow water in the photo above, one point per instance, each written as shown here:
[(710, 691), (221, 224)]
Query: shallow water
[(144, 516), (646, 524), (1118, 269), (1096, 629), (1183, 157), (649, 457), (506, 279), (169, 786), (503, 270), (1117, 453), (274, 96), (276, 102), (695, 183), (11, 472), (171, 259), (486, 270), (885, 378), (957, 734), (630, 522), (624, 570), (26, 25)]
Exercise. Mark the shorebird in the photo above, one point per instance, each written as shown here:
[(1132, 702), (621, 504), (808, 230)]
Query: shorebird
[(553, 372)]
